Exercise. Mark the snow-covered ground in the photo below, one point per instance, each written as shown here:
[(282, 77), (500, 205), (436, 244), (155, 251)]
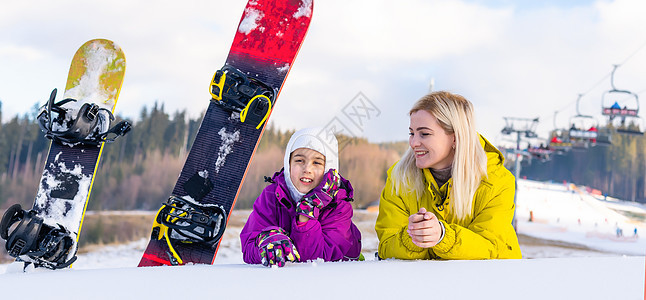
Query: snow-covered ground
[(571, 250), (566, 213)]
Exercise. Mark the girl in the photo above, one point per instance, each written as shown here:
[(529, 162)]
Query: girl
[(304, 214), (449, 196)]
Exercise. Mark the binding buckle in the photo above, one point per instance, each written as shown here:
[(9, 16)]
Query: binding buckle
[(86, 127), (196, 222), (193, 222), (234, 91)]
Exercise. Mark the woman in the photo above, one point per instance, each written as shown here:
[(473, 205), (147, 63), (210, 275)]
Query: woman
[(449, 197)]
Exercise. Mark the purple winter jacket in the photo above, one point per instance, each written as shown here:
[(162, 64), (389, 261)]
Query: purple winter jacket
[(332, 237)]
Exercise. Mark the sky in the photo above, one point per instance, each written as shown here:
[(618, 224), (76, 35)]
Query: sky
[(523, 59)]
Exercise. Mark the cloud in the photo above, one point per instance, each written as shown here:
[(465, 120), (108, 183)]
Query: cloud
[(402, 31), (21, 53), (508, 59)]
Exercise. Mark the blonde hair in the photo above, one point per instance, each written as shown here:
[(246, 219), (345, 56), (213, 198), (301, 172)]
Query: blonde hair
[(455, 115)]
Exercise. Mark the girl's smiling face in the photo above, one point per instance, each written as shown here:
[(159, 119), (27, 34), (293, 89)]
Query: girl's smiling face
[(306, 169)]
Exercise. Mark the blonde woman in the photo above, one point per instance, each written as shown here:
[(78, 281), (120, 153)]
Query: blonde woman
[(449, 197)]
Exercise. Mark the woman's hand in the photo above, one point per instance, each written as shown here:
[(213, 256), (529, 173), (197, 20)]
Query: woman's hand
[(424, 228)]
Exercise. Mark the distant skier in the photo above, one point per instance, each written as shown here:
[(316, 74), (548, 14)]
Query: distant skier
[(304, 214)]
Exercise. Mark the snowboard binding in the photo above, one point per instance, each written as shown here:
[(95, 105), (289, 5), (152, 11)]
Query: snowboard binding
[(183, 221), (32, 241), (90, 126), (250, 97)]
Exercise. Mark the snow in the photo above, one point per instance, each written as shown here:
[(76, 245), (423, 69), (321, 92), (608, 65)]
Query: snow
[(563, 212), (571, 251), (98, 58), (539, 279), (53, 211), (283, 68), (305, 10), (227, 145), (204, 173), (250, 21)]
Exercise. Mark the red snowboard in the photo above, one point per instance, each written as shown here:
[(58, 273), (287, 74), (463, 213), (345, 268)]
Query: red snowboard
[(267, 40)]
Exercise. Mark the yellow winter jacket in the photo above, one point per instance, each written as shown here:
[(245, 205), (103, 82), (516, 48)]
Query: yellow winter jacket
[(487, 234)]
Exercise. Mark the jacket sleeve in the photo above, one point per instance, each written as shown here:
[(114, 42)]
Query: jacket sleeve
[(490, 235), (392, 225), (330, 237), (262, 216)]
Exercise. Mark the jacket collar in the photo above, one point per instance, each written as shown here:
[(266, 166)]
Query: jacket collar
[(278, 179), (281, 186)]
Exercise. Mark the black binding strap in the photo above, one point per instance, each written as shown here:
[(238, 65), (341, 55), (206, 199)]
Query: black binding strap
[(235, 91), (195, 222), (83, 128), (42, 244)]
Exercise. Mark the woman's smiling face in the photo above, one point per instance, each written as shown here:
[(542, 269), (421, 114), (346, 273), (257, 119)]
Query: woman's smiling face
[(433, 147)]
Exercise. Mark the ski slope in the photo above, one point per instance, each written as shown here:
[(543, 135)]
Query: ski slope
[(567, 213), (597, 264)]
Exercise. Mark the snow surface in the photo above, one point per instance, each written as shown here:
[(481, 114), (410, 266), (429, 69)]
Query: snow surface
[(563, 212), (305, 10), (284, 68), (250, 21), (571, 251), (54, 212), (226, 147), (98, 58)]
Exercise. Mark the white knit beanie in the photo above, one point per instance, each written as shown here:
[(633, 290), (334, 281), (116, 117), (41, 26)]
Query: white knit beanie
[(317, 139)]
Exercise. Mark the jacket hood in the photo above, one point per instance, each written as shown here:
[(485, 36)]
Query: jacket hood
[(494, 156)]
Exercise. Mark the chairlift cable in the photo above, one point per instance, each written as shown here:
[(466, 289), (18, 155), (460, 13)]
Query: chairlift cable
[(595, 85), (605, 77), (633, 54)]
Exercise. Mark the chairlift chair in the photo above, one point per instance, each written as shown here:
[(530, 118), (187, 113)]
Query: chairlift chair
[(560, 141), (604, 136), (621, 104), (542, 152), (584, 129), (635, 127)]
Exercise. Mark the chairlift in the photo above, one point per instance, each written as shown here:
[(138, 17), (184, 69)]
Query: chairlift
[(622, 105), (542, 152), (584, 129), (524, 128), (633, 128), (527, 127), (513, 153), (604, 136), (559, 141)]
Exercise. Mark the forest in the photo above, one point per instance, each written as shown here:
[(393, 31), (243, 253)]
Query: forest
[(617, 170), (138, 171)]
